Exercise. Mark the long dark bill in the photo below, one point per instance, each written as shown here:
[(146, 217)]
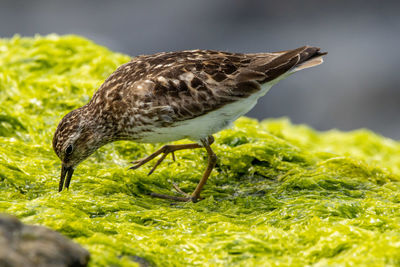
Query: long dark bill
[(65, 171)]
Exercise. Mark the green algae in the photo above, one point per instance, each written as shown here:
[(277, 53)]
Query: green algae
[(281, 194)]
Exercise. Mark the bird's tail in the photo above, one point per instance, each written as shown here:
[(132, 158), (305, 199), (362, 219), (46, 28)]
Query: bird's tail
[(309, 61), (287, 62)]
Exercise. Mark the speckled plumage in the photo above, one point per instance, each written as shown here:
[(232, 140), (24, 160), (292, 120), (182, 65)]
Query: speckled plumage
[(161, 97)]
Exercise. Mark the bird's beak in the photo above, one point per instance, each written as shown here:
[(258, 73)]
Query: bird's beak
[(68, 171)]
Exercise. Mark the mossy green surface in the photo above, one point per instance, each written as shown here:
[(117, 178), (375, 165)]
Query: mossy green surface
[(280, 195)]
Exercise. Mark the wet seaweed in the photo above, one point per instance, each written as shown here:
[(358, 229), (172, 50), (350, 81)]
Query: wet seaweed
[(281, 194)]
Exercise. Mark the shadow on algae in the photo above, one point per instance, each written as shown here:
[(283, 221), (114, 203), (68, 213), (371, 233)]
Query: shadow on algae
[(281, 194)]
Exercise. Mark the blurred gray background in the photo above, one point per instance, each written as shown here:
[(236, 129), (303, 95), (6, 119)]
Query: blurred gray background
[(356, 87)]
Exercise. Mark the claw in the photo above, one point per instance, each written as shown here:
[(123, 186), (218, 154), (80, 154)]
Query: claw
[(158, 163), (136, 164), (180, 190)]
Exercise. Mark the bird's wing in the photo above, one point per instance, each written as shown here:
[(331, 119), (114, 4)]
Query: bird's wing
[(187, 84)]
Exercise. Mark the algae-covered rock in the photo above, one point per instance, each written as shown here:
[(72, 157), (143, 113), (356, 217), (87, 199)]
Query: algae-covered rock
[(281, 194), (30, 246)]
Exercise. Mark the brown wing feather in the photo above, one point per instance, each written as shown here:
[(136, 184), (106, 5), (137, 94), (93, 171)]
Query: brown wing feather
[(188, 84)]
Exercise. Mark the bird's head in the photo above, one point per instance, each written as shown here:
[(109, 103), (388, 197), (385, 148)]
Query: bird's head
[(75, 139)]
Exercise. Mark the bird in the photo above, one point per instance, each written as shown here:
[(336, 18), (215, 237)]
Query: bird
[(169, 96)]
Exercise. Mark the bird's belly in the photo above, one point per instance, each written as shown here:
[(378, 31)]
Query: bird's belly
[(205, 125)]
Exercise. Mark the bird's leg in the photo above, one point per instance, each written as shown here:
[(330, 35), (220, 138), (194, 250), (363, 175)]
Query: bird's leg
[(195, 196), (212, 160), (165, 150)]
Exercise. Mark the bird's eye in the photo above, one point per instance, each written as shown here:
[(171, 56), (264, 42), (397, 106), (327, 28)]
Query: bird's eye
[(68, 151)]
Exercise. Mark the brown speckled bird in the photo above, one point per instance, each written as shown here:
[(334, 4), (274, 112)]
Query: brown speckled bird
[(171, 96)]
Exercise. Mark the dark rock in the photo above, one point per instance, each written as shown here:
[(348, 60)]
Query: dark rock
[(29, 245)]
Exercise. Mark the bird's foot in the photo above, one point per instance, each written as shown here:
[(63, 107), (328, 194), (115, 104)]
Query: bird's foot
[(175, 198), (179, 190), (140, 162), (165, 150), (185, 197)]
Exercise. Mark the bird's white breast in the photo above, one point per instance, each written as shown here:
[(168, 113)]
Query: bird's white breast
[(210, 123)]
